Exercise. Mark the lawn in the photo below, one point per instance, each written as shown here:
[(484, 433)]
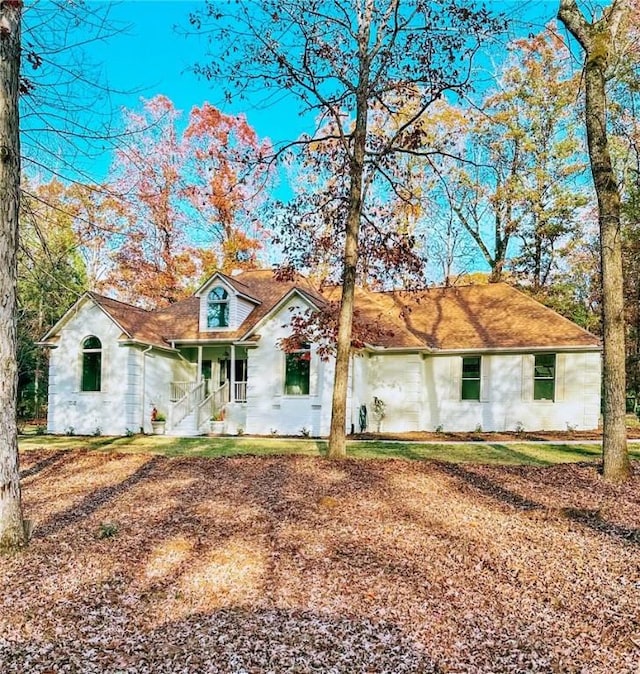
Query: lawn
[(513, 453), (147, 563)]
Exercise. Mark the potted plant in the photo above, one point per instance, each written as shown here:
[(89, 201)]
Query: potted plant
[(216, 424), (158, 422)]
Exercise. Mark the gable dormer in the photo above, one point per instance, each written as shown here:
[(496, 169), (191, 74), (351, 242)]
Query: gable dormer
[(222, 306)]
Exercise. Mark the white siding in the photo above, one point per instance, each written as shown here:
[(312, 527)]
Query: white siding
[(268, 408), (507, 399), (242, 309), (85, 412), (239, 308), (119, 405), (398, 381)]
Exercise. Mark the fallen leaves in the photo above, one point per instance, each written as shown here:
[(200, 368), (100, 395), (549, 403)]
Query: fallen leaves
[(302, 565)]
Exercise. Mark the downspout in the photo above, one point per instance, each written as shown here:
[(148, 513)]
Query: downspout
[(353, 391), (142, 397)]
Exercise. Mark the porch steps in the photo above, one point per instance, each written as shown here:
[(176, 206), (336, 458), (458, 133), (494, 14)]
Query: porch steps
[(186, 428)]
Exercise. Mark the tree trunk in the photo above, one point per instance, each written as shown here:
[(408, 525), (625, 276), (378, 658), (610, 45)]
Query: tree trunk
[(12, 530), (597, 40), (337, 432), (614, 438)]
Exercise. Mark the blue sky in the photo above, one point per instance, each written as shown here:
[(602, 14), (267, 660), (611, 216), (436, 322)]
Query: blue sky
[(150, 56)]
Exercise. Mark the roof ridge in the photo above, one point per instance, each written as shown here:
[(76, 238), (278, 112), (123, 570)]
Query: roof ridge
[(99, 297)]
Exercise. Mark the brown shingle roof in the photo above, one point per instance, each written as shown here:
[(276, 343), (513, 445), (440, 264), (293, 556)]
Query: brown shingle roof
[(494, 316), (474, 317)]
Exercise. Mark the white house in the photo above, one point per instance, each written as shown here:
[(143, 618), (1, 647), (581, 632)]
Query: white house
[(455, 359)]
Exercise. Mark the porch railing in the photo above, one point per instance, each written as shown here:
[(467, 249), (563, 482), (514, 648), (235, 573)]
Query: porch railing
[(184, 405), (179, 389), (211, 404), (240, 393)]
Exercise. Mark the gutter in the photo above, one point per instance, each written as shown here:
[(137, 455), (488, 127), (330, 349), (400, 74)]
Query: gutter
[(521, 349), (381, 350), (47, 345)]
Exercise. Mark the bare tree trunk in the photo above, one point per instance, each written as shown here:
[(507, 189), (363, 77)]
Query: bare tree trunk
[(597, 40), (337, 432), (12, 530)]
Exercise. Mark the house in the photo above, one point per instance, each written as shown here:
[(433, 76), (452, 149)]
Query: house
[(456, 359)]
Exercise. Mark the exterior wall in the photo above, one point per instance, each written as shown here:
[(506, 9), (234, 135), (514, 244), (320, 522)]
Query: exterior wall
[(160, 369), (506, 399), (398, 380), (120, 405), (72, 410), (269, 410)]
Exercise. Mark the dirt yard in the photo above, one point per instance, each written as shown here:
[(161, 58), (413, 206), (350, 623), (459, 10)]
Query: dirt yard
[(149, 564)]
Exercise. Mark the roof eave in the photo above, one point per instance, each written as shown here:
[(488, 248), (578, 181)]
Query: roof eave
[(140, 342), (519, 349)]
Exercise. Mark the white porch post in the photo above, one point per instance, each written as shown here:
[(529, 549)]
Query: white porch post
[(232, 382), (199, 372)]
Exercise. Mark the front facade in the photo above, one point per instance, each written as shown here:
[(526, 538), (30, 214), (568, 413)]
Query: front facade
[(452, 359)]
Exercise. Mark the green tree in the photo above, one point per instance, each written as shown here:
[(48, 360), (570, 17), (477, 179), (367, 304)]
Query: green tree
[(51, 276), (514, 190)]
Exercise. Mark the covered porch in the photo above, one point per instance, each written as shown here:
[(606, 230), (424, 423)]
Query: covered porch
[(217, 388)]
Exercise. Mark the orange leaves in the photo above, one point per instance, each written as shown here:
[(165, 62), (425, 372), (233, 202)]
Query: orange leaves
[(188, 200)]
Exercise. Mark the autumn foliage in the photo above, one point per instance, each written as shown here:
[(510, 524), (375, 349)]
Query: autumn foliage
[(187, 200)]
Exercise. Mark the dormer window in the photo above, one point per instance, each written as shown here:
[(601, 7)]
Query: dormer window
[(218, 308)]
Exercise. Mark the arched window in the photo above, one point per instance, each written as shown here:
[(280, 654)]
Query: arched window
[(91, 364), (218, 308)]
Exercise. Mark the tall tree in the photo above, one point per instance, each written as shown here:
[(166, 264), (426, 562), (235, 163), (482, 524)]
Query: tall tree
[(347, 60), (520, 157), (224, 180), (187, 200), (150, 264), (598, 41), (12, 526), (51, 276)]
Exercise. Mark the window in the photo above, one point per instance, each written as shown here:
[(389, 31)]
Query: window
[(91, 364), (471, 378), (297, 371), (544, 376), (218, 308)]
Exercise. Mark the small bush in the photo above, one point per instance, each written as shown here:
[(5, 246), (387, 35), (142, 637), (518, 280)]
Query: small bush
[(97, 432), (70, 431), (41, 429), (107, 530), (129, 433), (305, 432)]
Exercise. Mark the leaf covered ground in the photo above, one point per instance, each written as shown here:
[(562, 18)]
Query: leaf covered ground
[(144, 563)]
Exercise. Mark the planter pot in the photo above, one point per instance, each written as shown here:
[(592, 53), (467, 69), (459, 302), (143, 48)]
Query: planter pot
[(216, 427), (158, 427)]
